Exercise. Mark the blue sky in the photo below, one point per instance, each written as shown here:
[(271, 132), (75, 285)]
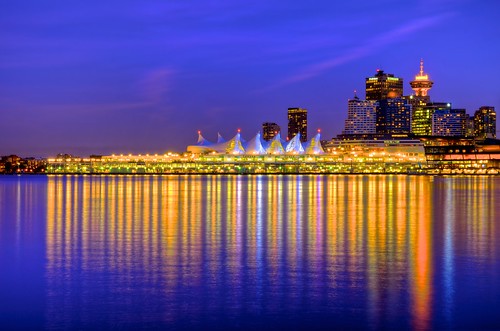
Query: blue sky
[(101, 77)]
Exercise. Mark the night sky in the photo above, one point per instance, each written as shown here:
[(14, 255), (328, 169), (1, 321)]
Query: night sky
[(103, 77)]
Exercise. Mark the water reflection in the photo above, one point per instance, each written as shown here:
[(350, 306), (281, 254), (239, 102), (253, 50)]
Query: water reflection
[(297, 251)]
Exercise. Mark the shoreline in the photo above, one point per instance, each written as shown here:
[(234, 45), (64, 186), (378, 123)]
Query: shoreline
[(184, 174)]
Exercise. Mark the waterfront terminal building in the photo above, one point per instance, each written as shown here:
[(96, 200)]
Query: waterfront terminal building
[(366, 155), (257, 156)]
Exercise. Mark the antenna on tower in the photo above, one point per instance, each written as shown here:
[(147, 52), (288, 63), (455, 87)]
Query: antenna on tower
[(421, 67), (355, 95)]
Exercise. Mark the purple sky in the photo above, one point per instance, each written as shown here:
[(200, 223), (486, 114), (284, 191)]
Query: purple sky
[(103, 77)]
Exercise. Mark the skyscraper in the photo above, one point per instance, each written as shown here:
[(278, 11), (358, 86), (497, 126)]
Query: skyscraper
[(383, 86), (393, 116), (270, 130), (422, 112), (470, 127), (297, 123), (361, 116), (421, 85), (485, 122), (449, 122)]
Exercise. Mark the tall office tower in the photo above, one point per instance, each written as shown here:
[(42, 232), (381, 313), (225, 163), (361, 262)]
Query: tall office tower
[(361, 116), (469, 132), (297, 123), (383, 86), (270, 130), (393, 116), (485, 122), (449, 122), (421, 122), (421, 85)]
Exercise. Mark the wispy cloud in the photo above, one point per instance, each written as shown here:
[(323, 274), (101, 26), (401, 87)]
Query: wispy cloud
[(72, 109), (156, 84), (365, 49), (150, 92)]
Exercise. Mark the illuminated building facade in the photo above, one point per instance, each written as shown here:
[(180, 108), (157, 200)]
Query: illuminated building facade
[(383, 86), (361, 116), (449, 122), (393, 116), (297, 123), (422, 117), (443, 155), (270, 130), (469, 131), (485, 123)]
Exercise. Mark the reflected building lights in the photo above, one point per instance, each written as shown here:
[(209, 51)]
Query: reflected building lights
[(448, 258), (422, 270), (257, 237)]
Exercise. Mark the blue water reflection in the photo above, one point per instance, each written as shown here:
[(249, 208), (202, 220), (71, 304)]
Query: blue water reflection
[(212, 252)]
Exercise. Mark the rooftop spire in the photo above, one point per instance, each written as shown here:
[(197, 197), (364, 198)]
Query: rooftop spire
[(422, 84)]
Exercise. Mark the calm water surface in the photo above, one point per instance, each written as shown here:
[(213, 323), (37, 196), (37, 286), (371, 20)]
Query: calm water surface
[(249, 252)]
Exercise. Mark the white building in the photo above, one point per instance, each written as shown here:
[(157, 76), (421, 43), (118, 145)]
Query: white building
[(361, 116)]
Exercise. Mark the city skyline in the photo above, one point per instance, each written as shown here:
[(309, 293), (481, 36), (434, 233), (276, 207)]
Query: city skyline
[(74, 82)]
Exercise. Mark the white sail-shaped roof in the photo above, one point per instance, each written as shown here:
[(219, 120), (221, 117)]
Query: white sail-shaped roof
[(265, 144), (257, 146), (234, 146), (294, 146), (202, 141), (275, 146), (220, 139), (219, 147), (222, 145), (254, 146), (313, 146), (201, 146)]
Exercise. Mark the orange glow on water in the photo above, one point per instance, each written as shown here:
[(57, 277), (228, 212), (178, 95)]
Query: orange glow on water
[(361, 231)]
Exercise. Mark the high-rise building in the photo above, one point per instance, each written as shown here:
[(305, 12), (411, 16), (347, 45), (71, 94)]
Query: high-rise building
[(449, 122), (393, 116), (361, 116), (270, 130), (422, 112), (383, 86), (485, 122), (469, 132), (421, 85), (297, 123)]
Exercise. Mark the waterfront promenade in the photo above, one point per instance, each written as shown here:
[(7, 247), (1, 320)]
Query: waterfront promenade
[(274, 164)]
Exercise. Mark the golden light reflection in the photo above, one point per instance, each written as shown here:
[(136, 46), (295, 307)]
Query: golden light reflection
[(272, 240), (421, 251)]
